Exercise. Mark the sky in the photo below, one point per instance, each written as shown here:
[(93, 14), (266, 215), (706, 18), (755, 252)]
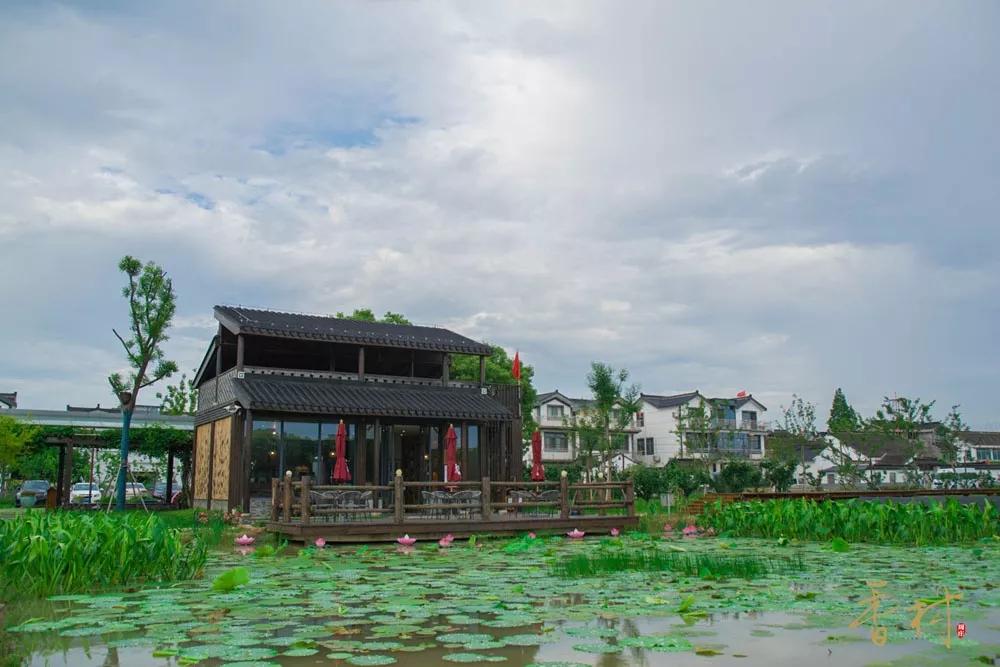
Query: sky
[(777, 197)]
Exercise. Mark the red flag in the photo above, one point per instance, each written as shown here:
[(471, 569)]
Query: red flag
[(517, 366), (741, 394)]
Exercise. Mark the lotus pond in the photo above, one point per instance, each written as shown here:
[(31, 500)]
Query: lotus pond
[(510, 602)]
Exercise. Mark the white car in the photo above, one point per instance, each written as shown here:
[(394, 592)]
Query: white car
[(84, 494)]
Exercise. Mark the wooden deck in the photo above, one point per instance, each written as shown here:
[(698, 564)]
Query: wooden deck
[(303, 512)]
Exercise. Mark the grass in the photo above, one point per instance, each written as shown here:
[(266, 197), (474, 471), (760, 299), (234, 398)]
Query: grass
[(706, 566), (905, 524), (50, 553)]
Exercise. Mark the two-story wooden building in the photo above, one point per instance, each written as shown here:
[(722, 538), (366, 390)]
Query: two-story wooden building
[(273, 387)]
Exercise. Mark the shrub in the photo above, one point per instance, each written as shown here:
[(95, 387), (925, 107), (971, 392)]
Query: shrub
[(47, 553), (736, 476)]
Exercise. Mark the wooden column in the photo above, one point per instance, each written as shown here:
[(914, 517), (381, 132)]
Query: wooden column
[(60, 474), (67, 480), (170, 476), (305, 499), (482, 370), (218, 364), (240, 344), (445, 368), (247, 455), (361, 363), (275, 497), (397, 503), (563, 496), (413, 363), (487, 499), (286, 499), (629, 498)]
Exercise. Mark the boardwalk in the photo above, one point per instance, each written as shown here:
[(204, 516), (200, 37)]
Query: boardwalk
[(301, 511)]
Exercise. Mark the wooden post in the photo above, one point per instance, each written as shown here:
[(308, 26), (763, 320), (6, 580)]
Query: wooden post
[(482, 370), (397, 501), (170, 477), (286, 500), (68, 472), (218, 365), (629, 498), (487, 499), (60, 496), (445, 368), (305, 499), (563, 496), (361, 363), (275, 484)]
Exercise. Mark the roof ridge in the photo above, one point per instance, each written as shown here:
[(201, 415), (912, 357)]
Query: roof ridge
[(300, 313)]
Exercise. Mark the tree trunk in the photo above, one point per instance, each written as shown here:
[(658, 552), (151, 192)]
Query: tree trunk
[(123, 464)]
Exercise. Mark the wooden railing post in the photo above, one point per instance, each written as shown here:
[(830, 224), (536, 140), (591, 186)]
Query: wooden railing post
[(397, 503), (563, 496), (629, 498), (275, 495), (305, 498), (487, 499), (286, 500)]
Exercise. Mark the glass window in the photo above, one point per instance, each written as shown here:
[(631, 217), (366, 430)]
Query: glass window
[(475, 469), (265, 455), (555, 412), (640, 419), (300, 451), (436, 452), (644, 446), (555, 442)]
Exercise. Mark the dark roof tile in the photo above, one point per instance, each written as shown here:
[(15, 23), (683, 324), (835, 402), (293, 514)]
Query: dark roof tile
[(336, 397), (319, 327)]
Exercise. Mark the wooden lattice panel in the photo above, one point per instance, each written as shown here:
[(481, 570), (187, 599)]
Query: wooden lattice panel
[(220, 458), (202, 451)]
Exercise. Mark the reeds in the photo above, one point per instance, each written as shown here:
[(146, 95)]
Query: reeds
[(47, 553), (707, 566), (856, 521)]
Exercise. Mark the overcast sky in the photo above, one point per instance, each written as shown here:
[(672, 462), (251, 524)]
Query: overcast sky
[(781, 197)]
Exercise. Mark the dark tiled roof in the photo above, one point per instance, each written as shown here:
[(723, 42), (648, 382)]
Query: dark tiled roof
[(573, 402), (668, 401), (886, 449), (10, 400), (981, 438), (318, 327), (333, 397), (736, 403)]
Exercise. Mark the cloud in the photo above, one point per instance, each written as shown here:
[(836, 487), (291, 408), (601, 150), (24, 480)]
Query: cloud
[(781, 200)]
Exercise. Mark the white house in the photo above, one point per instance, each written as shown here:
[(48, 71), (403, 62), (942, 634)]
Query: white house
[(741, 429), (554, 412)]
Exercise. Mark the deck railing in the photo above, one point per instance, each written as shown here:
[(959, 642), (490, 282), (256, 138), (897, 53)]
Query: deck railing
[(301, 501)]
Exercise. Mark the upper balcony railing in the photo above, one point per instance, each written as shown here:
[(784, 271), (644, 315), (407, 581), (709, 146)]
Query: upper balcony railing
[(740, 425)]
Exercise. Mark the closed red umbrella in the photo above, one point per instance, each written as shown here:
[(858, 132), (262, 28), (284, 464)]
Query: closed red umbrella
[(340, 471), (452, 473), (537, 470)]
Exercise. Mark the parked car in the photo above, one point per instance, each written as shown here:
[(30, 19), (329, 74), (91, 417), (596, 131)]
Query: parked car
[(36, 487), (160, 491), (84, 494), (136, 490)]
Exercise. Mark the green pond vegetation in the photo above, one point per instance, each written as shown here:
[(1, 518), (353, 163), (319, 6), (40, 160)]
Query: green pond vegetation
[(47, 553), (490, 600), (909, 524)]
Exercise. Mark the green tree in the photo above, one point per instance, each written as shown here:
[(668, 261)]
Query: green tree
[(600, 426), (948, 437), (14, 438), (367, 315), (736, 476), (843, 418), (697, 429), (907, 420), (151, 303), (180, 398), (779, 474), (499, 370), (796, 436)]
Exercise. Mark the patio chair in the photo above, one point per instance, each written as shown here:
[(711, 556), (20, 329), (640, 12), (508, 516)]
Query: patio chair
[(548, 496), (430, 498), (348, 500), (366, 502), (467, 502), (324, 503)]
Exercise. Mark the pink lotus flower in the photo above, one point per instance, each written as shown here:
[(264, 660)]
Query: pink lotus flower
[(615, 532), (320, 542), (406, 540), (449, 538), (575, 534), (444, 542), (244, 540), (690, 530), (531, 536)]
